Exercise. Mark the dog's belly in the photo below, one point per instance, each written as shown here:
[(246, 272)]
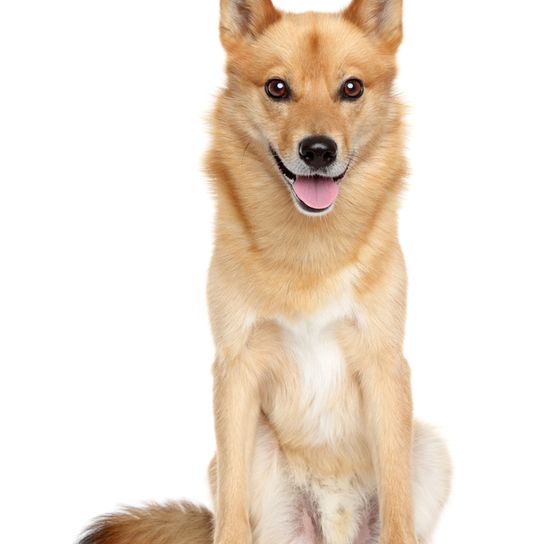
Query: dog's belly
[(339, 512), (348, 523), (295, 504)]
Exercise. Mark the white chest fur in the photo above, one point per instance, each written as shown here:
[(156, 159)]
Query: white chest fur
[(321, 374)]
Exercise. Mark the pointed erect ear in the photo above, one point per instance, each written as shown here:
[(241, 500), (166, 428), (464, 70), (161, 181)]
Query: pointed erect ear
[(244, 19), (379, 18)]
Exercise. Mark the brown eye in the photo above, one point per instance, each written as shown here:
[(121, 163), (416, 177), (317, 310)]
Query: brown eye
[(277, 89), (352, 89)]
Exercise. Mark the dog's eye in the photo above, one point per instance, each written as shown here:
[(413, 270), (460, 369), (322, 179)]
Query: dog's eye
[(352, 89), (277, 89)]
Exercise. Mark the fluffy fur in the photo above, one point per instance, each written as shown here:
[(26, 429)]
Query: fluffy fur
[(315, 437), (165, 524)]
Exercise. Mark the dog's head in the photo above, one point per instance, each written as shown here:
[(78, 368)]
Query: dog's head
[(310, 91)]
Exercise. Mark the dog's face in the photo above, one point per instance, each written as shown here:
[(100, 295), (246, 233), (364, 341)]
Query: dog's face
[(312, 90)]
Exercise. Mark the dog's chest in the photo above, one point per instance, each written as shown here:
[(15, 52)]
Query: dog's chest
[(317, 401)]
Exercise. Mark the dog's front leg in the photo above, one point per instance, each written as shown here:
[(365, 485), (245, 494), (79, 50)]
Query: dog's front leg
[(388, 409), (236, 406)]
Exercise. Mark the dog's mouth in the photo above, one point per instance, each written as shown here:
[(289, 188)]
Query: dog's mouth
[(314, 194)]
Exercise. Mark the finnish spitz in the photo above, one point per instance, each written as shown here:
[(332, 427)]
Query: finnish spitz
[(307, 290)]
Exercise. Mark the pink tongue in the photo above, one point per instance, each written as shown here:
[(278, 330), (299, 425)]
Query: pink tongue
[(318, 193)]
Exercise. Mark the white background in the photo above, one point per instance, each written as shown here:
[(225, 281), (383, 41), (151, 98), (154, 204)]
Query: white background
[(105, 236)]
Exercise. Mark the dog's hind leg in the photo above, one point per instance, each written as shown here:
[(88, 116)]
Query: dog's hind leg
[(431, 479), (431, 485)]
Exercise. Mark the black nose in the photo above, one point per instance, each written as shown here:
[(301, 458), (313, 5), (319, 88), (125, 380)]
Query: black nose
[(317, 151)]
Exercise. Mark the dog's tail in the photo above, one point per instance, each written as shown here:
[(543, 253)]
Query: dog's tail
[(173, 523)]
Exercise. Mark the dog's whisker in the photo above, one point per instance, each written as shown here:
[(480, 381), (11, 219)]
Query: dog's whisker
[(244, 153)]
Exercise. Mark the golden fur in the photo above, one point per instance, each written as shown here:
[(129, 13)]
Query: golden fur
[(174, 522), (315, 438)]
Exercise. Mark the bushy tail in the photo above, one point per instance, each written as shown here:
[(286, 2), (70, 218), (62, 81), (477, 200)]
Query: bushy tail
[(173, 523)]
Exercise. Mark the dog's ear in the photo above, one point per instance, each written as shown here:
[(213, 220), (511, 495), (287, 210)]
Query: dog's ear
[(381, 19), (245, 19)]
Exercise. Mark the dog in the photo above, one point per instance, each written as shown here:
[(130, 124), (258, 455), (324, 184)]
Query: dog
[(316, 442)]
